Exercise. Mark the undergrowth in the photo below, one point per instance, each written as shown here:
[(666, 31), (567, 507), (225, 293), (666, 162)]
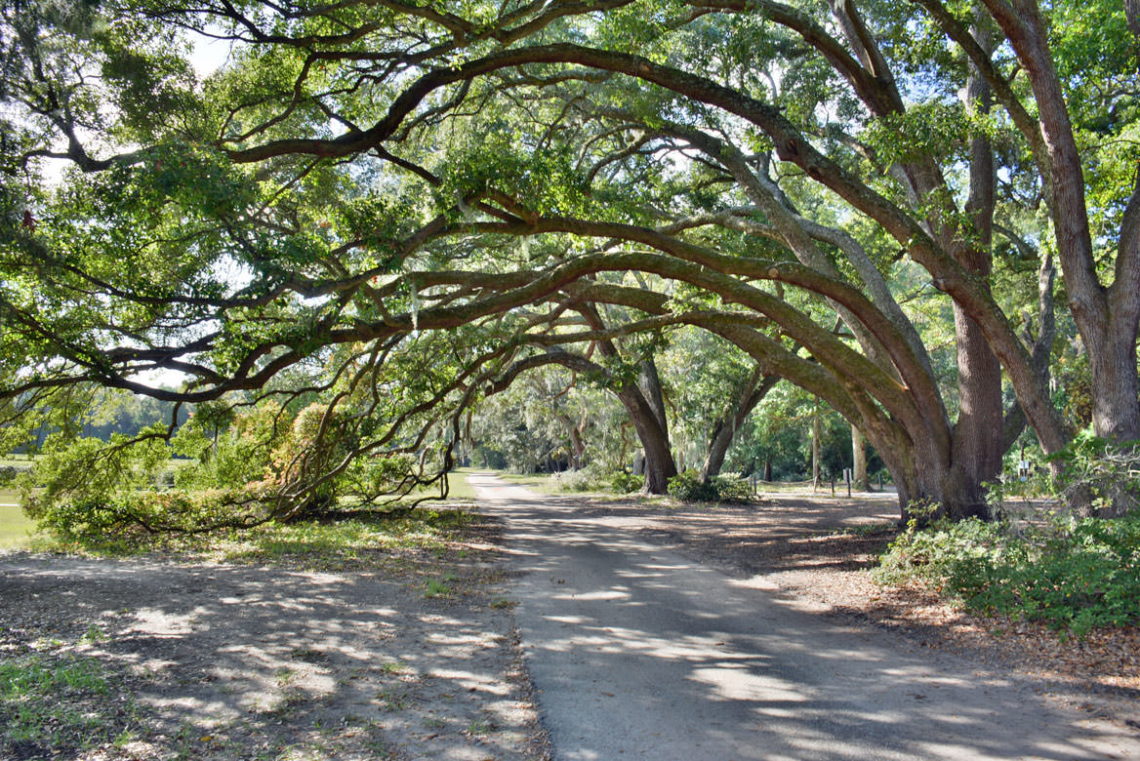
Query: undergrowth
[(53, 705), (1074, 574), (326, 544), (688, 487), (592, 479)]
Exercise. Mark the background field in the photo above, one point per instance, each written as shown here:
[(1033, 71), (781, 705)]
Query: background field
[(14, 526)]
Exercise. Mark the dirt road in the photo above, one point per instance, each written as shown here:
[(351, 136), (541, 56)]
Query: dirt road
[(638, 652)]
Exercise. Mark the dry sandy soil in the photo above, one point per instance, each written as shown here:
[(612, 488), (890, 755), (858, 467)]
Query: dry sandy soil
[(274, 662), (409, 660)]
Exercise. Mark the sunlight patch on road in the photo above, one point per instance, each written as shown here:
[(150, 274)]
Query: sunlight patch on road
[(735, 683), (601, 594)]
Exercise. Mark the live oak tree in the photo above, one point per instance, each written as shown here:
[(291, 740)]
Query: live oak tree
[(716, 388), (362, 173)]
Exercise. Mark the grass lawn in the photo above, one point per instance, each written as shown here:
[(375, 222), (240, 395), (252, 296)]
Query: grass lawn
[(363, 540), (540, 482), (522, 479), (458, 488), (15, 527), (18, 461)]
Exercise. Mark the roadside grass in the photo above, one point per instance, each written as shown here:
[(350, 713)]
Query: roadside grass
[(804, 488), (437, 588), (552, 484), (16, 528), (352, 537), (878, 529), (416, 542), (55, 705), (543, 483), (18, 461), (457, 487), (355, 540)]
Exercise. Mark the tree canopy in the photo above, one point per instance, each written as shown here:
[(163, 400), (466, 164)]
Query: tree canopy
[(404, 207)]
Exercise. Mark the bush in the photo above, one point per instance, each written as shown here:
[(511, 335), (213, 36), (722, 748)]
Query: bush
[(1072, 574), (688, 487), (942, 550), (593, 479), (732, 489), (623, 482), (585, 479), (372, 476)]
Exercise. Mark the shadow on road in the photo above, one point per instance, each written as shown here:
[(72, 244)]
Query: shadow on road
[(641, 653)]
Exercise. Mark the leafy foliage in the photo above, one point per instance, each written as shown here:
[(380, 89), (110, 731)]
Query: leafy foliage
[(623, 482), (594, 478), (1104, 473), (394, 204), (244, 469), (1073, 574), (688, 487)]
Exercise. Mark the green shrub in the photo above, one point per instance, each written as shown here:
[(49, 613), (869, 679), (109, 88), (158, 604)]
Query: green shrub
[(1095, 475), (75, 477), (732, 489), (1100, 471), (1072, 574), (375, 476), (622, 482), (935, 553), (688, 487)]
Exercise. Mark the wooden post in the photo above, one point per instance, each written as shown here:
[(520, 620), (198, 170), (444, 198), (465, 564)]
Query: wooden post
[(816, 450)]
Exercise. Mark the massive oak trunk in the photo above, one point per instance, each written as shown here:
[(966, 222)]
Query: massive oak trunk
[(1106, 316), (1112, 361), (645, 403), (659, 464), (977, 444), (646, 406)]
